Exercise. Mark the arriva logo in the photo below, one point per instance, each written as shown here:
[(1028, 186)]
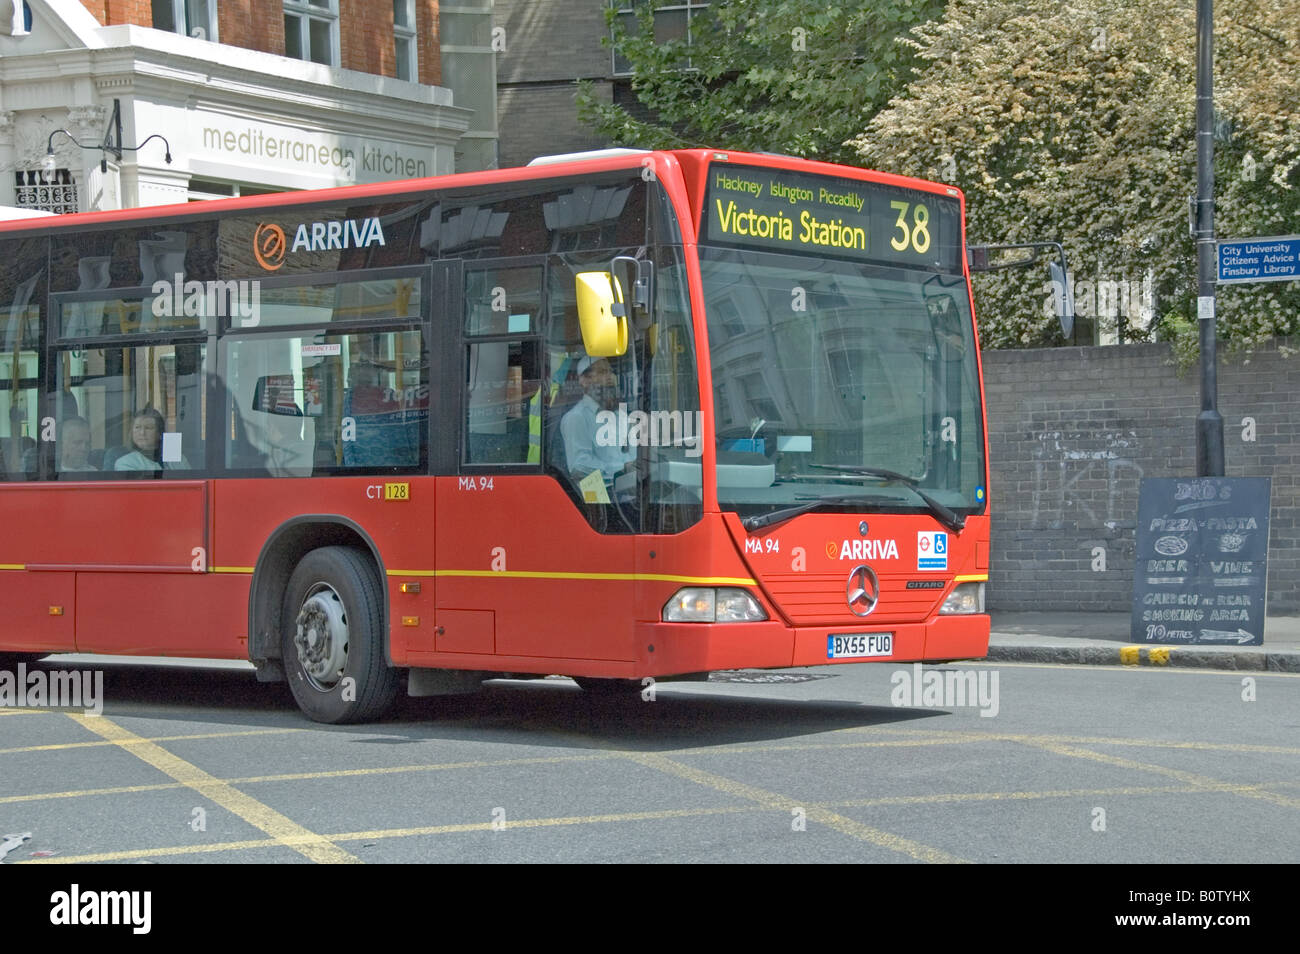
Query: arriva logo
[(269, 240), (864, 550), (352, 233), (268, 246)]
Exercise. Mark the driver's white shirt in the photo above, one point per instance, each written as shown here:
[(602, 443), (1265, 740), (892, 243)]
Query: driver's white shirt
[(582, 451)]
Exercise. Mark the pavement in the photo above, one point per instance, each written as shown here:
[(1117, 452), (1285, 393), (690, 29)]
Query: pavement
[(1105, 639)]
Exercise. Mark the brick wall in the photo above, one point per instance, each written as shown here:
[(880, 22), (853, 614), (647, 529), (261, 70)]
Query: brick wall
[(554, 40), (542, 120), (1073, 430), (114, 12), (366, 36), (428, 41), (365, 30), (548, 45), (252, 24), (128, 11)]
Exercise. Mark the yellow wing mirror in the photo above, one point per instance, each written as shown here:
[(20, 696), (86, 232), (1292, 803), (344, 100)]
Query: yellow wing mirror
[(606, 301), (602, 315)]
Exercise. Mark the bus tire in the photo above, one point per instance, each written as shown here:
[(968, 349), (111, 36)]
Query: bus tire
[(333, 638)]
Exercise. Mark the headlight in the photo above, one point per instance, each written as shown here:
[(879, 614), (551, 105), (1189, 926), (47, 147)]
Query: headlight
[(965, 598), (706, 604)]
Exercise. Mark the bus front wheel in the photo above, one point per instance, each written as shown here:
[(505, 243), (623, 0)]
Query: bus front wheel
[(333, 638)]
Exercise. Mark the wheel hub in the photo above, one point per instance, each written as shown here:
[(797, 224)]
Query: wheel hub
[(322, 636)]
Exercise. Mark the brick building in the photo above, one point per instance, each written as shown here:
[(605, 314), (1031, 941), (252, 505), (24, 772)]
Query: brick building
[(250, 95), (545, 49)]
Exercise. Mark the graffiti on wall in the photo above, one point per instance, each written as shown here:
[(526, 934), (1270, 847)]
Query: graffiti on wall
[(1085, 479)]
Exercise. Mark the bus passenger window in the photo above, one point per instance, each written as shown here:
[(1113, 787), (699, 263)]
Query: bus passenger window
[(327, 403), (144, 408), (21, 333)]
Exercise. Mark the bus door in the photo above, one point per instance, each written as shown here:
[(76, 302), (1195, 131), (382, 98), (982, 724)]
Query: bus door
[(523, 572)]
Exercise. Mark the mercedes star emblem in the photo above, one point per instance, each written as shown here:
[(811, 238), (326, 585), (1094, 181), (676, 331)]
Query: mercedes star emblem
[(862, 590)]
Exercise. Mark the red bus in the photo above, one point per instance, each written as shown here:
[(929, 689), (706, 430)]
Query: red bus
[(612, 416)]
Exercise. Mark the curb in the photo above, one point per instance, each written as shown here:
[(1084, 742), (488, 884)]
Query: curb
[(1168, 656)]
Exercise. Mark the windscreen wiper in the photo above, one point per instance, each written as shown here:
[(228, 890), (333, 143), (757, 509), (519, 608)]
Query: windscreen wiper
[(789, 513), (953, 521)]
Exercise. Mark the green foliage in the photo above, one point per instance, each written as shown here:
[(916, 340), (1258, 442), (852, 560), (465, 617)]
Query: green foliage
[(793, 76), (1183, 337), (1077, 121)]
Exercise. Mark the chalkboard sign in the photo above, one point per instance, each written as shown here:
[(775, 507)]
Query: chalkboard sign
[(1200, 571)]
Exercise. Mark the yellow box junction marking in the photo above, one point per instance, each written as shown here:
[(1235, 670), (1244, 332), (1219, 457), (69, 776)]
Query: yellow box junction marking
[(282, 829)]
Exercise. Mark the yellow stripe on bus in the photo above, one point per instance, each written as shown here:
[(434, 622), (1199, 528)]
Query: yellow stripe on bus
[(562, 575), (556, 575)]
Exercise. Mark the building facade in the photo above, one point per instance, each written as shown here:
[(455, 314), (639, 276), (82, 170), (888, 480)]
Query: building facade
[(244, 96), (544, 51)]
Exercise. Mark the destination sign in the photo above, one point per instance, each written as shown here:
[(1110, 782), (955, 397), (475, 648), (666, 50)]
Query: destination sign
[(754, 207)]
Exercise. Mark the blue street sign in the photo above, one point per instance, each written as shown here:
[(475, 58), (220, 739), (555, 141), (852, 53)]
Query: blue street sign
[(1268, 259)]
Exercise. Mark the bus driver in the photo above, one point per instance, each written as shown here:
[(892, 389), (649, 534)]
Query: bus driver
[(585, 449)]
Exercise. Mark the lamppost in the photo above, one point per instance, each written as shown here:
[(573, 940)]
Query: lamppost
[(112, 143), (1209, 423)]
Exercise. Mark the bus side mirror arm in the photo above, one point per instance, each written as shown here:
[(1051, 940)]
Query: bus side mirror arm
[(634, 279), (978, 260)]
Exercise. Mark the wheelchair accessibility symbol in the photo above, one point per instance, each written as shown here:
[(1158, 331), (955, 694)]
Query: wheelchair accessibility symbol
[(932, 550)]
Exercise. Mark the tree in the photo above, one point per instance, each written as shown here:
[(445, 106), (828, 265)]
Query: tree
[(793, 76), (1078, 122)]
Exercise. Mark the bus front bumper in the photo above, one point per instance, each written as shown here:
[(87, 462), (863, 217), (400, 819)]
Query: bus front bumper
[(671, 648)]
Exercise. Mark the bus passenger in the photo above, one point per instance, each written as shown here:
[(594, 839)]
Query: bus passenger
[(18, 452), (584, 448), (74, 446), (146, 444)]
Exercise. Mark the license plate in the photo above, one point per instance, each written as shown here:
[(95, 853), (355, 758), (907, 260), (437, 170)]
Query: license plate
[(850, 645)]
